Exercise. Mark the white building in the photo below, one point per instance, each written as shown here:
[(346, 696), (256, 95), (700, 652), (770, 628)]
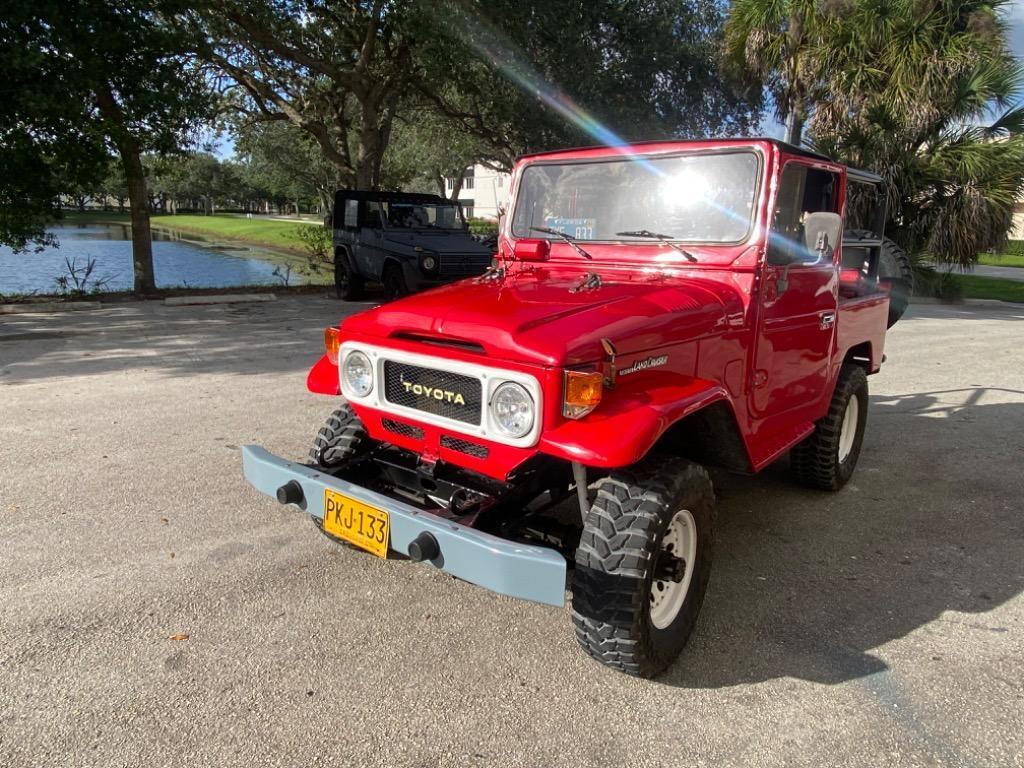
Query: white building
[(1017, 228), (484, 193)]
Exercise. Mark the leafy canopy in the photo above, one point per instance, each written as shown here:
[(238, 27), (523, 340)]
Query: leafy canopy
[(57, 60), (927, 94), (526, 75)]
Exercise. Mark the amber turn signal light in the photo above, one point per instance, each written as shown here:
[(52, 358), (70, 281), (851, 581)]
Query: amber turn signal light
[(332, 341), (582, 393)]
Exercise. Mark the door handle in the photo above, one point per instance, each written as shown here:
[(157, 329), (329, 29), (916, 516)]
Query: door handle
[(827, 320)]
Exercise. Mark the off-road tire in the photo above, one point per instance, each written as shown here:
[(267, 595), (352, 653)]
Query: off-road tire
[(393, 279), (340, 439), (347, 283), (894, 270), (617, 555), (816, 462)]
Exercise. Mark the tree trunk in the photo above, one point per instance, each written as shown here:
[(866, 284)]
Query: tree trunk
[(326, 202), (794, 126), (142, 239), (131, 160), (795, 43), (364, 175), (456, 186)]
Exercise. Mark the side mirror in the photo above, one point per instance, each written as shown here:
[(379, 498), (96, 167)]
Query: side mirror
[(532, 249), (822, 231)]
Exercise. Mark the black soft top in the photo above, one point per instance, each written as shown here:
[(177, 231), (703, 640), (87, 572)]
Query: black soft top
[(378, 196)]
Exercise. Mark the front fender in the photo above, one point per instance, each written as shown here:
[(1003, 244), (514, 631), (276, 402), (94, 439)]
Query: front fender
[(323, 378), (626, 425)]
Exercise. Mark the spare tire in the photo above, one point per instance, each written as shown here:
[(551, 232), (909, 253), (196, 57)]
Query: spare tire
[(895, 275)]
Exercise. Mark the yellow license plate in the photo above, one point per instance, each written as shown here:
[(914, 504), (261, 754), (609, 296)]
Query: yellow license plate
[(357, 523)]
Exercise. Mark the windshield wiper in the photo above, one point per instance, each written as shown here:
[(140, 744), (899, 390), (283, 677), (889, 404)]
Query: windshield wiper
[(568, 238), (666, 239)]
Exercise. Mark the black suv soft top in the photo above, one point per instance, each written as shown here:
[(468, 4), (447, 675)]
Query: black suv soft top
[(413, 198)]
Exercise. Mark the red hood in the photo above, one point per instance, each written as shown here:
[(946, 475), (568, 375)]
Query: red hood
[(533, 316)]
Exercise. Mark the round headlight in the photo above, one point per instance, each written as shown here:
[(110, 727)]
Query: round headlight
[(429, 263), (512, 409), (358, 373)]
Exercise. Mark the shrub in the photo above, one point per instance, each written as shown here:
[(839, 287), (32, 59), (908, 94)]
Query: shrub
[(319, 245), (78, 279), (315, 240), (483, 227), (1014, 247), (941, 284)]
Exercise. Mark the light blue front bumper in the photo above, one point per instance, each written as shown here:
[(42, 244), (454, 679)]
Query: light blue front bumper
[(502, 566)]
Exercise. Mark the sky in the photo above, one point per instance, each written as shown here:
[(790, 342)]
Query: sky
[(1015, 14)]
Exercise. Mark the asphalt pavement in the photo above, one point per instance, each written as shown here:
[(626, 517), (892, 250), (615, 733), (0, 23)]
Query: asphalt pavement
[(156, 611)]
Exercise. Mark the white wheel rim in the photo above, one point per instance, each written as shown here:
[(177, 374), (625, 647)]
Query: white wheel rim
[(849, 429), (667, 596)]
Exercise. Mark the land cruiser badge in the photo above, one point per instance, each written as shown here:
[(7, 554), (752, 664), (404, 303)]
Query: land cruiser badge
[(643, 365)]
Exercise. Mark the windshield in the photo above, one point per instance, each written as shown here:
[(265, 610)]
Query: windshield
[(698, 198), (417, 215)]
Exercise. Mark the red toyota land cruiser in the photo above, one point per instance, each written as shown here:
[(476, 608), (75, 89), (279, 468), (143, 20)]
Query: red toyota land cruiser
[(653, 309)]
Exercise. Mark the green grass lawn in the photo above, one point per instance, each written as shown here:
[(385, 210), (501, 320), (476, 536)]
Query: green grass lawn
[(977, 287), (1001, 260), (267, 232)]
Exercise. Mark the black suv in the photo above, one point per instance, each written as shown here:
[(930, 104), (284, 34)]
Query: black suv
[(406, 241)]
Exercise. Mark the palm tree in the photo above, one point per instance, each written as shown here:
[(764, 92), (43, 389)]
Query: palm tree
[(926, 95), (777, 42)]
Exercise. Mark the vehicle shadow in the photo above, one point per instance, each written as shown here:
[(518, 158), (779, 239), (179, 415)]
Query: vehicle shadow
[(234, 339), (809, 585)]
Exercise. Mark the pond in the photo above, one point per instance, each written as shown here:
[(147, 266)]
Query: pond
[(177, 262)]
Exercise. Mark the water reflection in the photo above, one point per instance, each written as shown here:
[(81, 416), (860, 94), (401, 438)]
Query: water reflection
[(177, 262)]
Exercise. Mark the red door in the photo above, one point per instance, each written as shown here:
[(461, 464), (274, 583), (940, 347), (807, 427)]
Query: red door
[(799, 300)]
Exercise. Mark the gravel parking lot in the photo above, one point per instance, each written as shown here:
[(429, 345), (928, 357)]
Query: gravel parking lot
[(880, 626)]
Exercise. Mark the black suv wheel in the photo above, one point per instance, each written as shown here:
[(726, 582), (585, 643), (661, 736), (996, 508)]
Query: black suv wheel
[(394, 281), (347, 283)]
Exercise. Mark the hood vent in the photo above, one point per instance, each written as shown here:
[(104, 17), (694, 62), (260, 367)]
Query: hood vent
[(439, 341)]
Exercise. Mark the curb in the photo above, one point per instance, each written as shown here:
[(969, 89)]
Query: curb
[(48, 306), (964, 302), (240, 298)]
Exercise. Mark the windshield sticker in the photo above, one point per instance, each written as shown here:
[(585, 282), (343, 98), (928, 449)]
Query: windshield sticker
[(643, 365), (581, 229)]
